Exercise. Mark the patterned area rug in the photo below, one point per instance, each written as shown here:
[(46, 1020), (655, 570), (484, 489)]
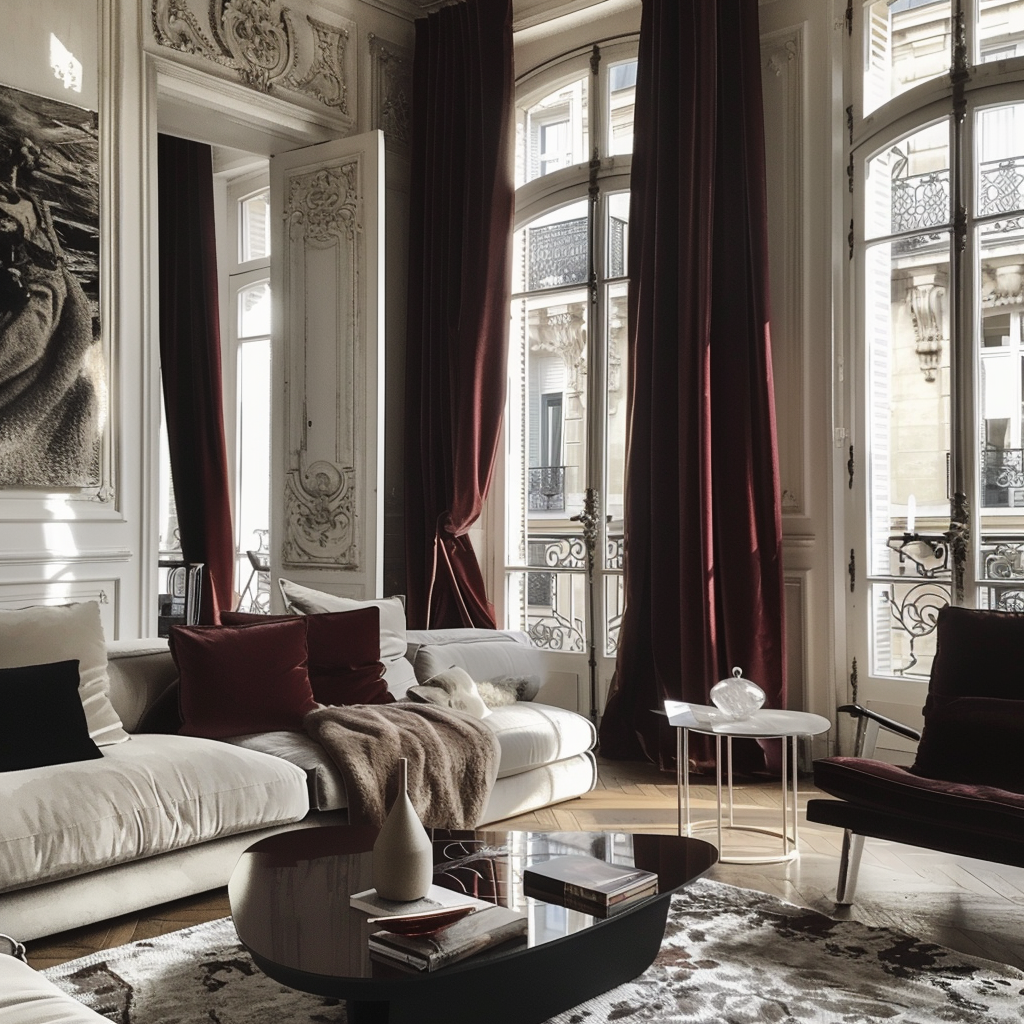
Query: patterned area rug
[(729, 955)]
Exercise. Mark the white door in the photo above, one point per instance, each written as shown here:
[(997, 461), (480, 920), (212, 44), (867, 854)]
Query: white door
[(327, 281)]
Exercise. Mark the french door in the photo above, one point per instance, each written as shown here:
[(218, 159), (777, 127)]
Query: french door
[(935, 471)]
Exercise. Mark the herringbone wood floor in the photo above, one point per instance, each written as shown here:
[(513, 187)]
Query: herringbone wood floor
[(969, 905)]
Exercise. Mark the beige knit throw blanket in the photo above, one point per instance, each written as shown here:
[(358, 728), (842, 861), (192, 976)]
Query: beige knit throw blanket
[(453, 760)]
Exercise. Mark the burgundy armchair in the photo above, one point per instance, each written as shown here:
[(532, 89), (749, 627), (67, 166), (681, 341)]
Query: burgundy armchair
[(964, 794)]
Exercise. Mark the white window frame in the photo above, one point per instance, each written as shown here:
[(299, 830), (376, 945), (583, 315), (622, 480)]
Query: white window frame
[(235, 275), (544, 194)]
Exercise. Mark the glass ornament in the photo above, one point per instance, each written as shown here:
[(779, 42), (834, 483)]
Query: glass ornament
[(737, 698)]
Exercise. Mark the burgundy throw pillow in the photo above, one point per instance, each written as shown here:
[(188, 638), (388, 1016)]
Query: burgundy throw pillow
[(344, 654), (977, 653), (242, 679), (974, 740)]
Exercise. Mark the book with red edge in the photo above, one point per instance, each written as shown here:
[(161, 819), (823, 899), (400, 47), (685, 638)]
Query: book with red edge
[(579, 877), (467, 937), (437, 898)]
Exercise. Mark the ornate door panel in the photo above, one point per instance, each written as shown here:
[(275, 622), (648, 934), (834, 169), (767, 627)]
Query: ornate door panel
[(328, 351)]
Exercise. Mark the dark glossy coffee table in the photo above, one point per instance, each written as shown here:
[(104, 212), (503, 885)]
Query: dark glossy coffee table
[(289, 901)]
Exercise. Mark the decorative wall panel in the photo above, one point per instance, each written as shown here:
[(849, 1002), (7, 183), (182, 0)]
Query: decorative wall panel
[(270, 45), (391, 91), (782, 60), (327, 317), (104, 592)]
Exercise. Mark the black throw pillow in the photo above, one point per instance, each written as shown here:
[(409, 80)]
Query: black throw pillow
[(43, 721)]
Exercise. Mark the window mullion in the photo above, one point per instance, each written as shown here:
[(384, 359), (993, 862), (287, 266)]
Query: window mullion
[(962, 456)]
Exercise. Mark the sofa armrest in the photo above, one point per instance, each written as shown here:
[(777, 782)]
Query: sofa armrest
[(868, 724)]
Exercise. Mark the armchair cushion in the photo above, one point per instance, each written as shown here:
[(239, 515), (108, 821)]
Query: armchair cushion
[(934, 803), (972, 740), (978, 654)]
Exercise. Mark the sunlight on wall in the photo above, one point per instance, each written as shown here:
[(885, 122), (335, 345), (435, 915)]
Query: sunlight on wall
[(66, 67)]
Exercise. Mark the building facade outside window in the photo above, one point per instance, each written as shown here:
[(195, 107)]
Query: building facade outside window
[(936, 121), (566, 409)]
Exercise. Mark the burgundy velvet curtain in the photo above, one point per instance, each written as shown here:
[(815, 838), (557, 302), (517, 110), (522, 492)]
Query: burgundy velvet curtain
[(459, 292), (190, 366), (703, 568)]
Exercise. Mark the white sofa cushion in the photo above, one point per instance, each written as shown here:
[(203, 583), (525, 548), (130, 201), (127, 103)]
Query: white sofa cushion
[(47, 633), (398, 673), (531, 734), (26, 997), (148, 796)]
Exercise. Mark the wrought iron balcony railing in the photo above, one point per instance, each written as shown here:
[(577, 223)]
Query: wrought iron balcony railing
[(546, 488), (921, 201), (1003, 477)]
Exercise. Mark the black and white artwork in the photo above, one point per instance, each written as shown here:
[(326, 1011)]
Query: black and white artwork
[(52, 376)]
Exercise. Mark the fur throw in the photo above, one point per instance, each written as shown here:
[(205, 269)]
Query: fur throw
[(453, 760)]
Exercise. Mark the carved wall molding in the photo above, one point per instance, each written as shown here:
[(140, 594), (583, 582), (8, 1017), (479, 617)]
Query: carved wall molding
[(320, 516), (269, 45), (326, 202), (926, 302), (391, 91), (326, 233), (105, 592), (778, 59), (1002, 285)]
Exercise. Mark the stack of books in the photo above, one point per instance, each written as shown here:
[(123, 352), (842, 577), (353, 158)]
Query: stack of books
[(437, 898), (469, 936), (587, 884)]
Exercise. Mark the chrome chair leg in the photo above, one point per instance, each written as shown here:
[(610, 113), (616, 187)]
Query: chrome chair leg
[(849, 865)]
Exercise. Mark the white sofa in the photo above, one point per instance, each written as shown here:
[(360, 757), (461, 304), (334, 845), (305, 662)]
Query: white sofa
[(27, 997), (164, 816)]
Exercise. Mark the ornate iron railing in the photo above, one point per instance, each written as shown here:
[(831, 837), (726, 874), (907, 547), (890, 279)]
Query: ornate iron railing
[(1002, 477), (558, 254), (914, 606), (545, 488), (1000, 188), (554, 591), (922, 201)]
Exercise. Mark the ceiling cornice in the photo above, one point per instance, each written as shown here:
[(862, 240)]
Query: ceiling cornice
[(525, 13)]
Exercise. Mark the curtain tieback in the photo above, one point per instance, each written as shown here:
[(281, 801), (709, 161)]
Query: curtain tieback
[(439, 544)]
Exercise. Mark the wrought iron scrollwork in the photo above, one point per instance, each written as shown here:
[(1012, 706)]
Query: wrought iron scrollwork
[(959, 535), (916, 614)]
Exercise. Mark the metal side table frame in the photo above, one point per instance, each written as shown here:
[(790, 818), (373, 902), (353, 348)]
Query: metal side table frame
[(787, 726)]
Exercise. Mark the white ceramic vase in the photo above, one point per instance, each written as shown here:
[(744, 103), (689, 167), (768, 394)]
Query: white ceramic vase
[(403, 862)]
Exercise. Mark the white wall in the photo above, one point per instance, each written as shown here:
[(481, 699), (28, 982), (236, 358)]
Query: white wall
[(102, 544), (801, 50), (86, 544)]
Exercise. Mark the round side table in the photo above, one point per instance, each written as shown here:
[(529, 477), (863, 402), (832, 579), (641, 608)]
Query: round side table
[(787, 726)]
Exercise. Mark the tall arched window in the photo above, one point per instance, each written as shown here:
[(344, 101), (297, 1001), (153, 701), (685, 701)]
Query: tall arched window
[(565, 417), (936, 248)]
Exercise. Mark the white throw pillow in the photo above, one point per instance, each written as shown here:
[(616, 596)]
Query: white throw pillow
[(48, 633), (398, 672), (452, 689)]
